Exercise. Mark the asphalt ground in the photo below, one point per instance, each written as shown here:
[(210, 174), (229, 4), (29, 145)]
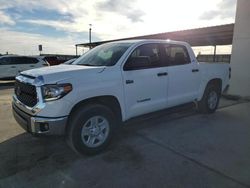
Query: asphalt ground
[(172, 148)]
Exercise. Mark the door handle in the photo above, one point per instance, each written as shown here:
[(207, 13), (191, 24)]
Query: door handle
[(13, 67), (32, 66), (129, 81), (162, 74), (195, 70)]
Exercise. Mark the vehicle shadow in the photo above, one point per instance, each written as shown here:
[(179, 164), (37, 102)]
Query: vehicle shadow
[(24, 151)]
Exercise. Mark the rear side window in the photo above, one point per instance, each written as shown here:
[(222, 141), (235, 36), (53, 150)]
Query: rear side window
[(17, 60), (26, 60), (4, 61), (176, 55), (8, 61)]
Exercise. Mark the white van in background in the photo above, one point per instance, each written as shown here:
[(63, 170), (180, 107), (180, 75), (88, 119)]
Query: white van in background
[(11, 65)]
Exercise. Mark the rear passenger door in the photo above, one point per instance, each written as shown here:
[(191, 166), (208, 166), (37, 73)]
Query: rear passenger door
[(183, 75), (145, 81)]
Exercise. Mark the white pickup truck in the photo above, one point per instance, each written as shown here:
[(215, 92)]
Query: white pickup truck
[(112, 83)]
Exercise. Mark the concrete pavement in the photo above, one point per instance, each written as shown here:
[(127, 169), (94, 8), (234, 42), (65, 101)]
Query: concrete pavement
[(170, 149)]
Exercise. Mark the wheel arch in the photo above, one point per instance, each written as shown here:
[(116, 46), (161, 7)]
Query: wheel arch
[(107, 100), (217, 82), (214, 81)]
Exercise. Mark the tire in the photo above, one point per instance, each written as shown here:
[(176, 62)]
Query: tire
[(90, 129), (210, 99)]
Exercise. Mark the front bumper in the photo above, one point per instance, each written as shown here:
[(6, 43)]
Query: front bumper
[(39, 125)]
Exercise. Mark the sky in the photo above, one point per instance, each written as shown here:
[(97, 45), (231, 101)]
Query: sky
[(60, 24)]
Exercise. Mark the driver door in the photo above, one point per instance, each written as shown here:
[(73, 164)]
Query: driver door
[(145, 81)]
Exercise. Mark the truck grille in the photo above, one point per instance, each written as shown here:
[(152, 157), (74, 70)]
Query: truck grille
[(26, 93)]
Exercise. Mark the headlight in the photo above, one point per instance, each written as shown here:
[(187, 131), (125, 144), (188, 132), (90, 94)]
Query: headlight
[(54, 92)]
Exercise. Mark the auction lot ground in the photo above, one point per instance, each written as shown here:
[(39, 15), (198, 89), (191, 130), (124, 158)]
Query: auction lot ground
[(180, 148)]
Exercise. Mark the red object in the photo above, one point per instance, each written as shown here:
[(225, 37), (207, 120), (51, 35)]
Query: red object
[(53, 60)]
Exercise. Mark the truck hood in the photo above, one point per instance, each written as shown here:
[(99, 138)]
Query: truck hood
[(59, 73)]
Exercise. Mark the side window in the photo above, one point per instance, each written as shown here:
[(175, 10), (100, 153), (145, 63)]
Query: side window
[(4, 61), (19, 60), (8, 61), (177, 55), (143, 57), (25, 60), (31, 60), (13, 60)]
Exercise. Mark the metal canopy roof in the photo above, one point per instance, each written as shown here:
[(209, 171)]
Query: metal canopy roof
[(206, 36)]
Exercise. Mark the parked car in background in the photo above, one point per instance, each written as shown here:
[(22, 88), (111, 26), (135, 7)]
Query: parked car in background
[(11, 65), (53, 60), (69, 62), (56, 59)]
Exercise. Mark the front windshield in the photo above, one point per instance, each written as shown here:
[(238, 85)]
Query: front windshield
[(103, 55)]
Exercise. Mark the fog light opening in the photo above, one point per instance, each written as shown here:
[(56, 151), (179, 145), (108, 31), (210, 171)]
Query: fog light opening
[(44, 127)]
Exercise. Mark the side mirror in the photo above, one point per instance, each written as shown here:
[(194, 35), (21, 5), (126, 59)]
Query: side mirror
[(136, 63)]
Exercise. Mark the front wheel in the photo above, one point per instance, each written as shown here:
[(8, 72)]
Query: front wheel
[(90, 129), (210, 100)]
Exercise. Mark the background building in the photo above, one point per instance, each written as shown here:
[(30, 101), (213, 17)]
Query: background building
[(240, 59)]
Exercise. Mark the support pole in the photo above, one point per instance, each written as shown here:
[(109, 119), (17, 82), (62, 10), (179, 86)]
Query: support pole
[(76, 50), (90, 36), (214, 53)]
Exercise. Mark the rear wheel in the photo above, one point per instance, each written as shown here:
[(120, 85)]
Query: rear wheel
[(210, 99), (90, 129)]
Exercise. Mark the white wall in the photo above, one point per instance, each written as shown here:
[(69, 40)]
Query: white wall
[(240, 60)]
